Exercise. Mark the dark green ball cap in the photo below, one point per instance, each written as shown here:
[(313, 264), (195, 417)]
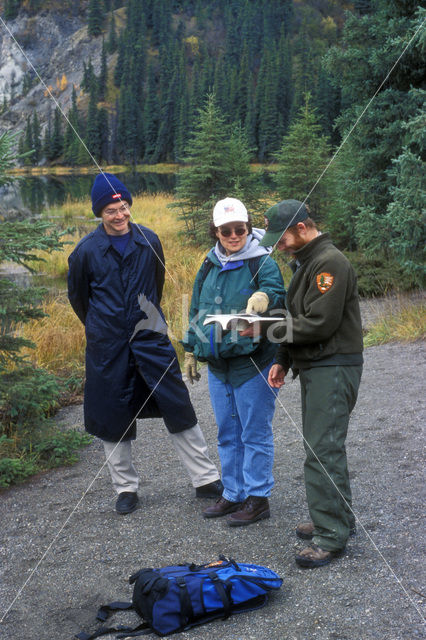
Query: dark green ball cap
[(281, 216)]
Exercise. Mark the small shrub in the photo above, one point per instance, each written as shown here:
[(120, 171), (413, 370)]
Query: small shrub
[(27, 397), (20, 458), (378, 275), (60, 448), (14, 470)]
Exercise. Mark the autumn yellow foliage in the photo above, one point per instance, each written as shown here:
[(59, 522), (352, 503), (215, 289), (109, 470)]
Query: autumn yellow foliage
[(59, 337)]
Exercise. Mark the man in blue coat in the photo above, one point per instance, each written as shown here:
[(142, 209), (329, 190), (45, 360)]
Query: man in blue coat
[(115, 283)]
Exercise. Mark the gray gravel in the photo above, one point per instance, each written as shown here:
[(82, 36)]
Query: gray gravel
[(65, 551)]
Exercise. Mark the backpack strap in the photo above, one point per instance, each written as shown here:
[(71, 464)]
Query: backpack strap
[(223, 595), (253, 264), (126, 631), (205, 268), (186, 610)]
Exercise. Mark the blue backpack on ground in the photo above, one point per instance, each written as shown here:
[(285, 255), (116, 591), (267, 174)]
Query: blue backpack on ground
[(179, 597)]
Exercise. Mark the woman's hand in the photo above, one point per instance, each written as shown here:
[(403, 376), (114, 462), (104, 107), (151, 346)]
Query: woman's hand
[(258, 302)]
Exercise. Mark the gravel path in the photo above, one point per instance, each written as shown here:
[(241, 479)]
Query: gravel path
[(65, 551)]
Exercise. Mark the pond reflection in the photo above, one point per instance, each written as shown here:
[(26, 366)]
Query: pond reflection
[(36, 193)]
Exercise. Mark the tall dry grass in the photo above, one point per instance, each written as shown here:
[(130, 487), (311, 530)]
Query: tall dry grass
[(405, 324), (59, 337)]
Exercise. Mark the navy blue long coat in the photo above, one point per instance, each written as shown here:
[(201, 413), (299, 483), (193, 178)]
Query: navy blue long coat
[(128, 352)]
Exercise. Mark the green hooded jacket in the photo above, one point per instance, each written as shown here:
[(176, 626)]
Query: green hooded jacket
[(227, 290)]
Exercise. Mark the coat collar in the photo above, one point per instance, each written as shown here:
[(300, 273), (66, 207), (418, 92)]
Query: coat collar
[(104, 243), (310, 249)]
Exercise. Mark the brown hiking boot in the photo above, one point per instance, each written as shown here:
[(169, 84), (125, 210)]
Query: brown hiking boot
[(305, 530), (221, 508), (253, 508), (313, 556)]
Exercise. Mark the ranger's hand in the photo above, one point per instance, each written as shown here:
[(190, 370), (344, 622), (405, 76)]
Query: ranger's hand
[(258, 302), (190, 367), (276, 376)]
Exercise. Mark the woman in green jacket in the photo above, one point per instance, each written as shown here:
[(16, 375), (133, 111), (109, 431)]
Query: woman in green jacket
[(238, 274)]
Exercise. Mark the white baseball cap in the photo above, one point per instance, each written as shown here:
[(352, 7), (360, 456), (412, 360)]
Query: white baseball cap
[(229, 210)]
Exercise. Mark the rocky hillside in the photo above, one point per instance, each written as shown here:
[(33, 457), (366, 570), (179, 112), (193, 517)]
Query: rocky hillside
[(54, 45)]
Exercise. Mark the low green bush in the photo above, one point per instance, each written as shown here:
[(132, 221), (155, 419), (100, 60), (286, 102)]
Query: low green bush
[(60, 448), (27, 397), (378, 275), (15, 470), (22, 458)]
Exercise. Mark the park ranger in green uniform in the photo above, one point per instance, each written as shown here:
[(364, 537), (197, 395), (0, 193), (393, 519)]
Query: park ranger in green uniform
[(322, 342)]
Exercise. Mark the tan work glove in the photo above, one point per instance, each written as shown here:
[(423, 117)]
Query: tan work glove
[(258, 302), (190, 367)]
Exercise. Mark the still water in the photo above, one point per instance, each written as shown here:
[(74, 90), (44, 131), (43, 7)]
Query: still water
[(35, 193)]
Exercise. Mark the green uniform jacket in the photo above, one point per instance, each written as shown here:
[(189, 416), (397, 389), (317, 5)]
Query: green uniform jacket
[(322, 300), (226, 290)]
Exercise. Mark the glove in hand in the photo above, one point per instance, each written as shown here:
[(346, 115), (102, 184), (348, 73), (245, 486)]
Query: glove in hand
[(258, 302), (190, 367)]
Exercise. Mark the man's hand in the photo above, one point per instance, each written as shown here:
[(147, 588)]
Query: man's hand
[(190, 367), (258, 302), (276, 376)]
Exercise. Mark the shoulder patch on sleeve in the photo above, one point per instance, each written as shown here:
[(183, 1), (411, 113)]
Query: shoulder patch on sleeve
[(324, 281)]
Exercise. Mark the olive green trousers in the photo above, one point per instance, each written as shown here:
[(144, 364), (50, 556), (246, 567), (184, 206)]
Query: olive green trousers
[(328, 396)]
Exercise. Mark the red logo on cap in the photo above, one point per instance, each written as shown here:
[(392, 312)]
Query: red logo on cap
[(116, 195)]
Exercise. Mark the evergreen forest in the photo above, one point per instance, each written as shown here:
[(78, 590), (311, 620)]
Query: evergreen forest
[(161, 59), (330, 92)]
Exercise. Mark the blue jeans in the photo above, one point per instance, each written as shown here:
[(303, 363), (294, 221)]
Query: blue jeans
[(245, 440)]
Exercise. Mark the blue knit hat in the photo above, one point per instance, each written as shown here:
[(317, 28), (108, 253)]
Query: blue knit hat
[(107, 189)]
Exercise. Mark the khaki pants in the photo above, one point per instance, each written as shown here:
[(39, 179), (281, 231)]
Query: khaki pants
[(191, 448), (328, 396)]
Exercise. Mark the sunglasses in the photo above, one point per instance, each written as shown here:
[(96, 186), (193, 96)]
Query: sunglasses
[(226, 231)]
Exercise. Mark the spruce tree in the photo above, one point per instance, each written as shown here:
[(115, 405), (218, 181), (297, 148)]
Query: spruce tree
[(36, 140), (205, 180), (284, 75), (103, 128), (112, 35), (165, 139), (92, 137), (372, 40), (326, 99), (28, 142), (57, 139), (26, 392), (405, 215), (151, 117), (267, 107), (121, 59), (303, 156), (218, 166), (103, 75), (95, 18), (11, 9), (47, 138), (71, 141)]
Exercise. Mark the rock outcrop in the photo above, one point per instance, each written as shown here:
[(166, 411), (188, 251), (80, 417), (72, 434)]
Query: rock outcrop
[(52, 48)]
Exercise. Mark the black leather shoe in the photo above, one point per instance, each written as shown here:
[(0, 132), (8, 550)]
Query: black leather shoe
[(211, 490), (127, 502), (221, 508)]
